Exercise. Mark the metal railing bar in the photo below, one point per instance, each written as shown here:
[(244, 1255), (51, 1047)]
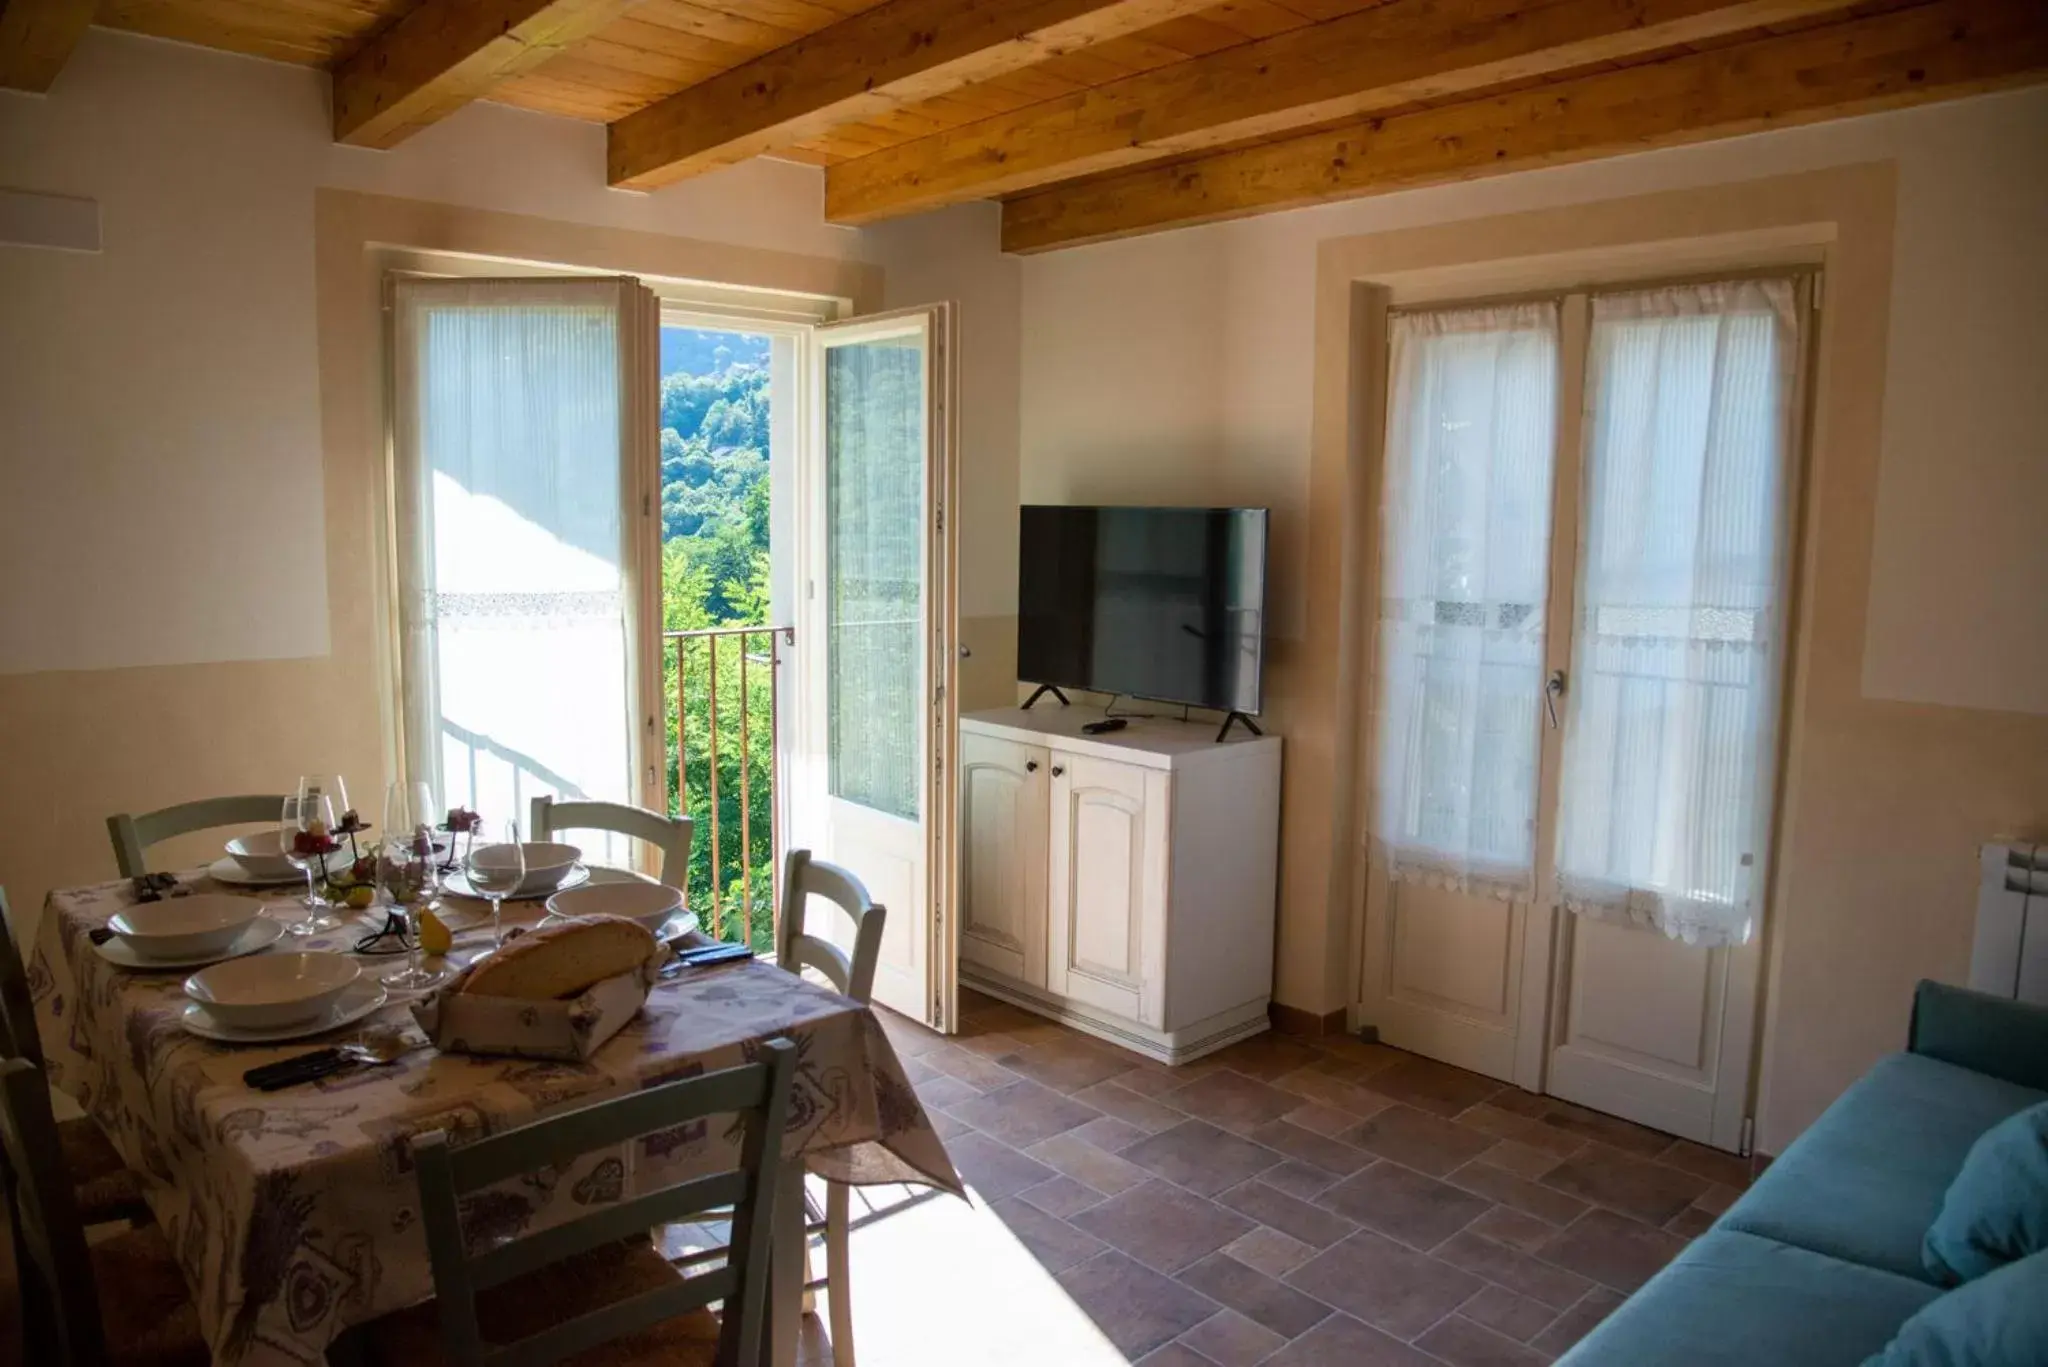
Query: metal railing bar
[(717, 915)]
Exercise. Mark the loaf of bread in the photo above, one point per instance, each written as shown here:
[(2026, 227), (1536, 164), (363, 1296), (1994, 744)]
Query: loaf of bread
[(562, 959)]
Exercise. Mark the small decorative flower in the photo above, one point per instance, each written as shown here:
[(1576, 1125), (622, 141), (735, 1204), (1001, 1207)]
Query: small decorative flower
[(314, 842), (461, 820)]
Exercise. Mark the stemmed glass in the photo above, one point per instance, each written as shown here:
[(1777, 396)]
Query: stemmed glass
[(306, 835), (496, 866), (405, 872)]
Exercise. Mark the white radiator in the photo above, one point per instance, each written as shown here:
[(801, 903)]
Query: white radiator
[(2010, 956)]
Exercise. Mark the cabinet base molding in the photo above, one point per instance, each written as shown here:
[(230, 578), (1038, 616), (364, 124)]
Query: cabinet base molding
[(1185, 1045)]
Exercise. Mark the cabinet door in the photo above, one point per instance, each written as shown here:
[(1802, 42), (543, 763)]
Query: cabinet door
[(1005, 798), (1108, 895)]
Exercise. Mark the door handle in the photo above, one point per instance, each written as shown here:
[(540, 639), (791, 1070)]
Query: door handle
[(1058, 769), (1553, 689), (1030, 766)]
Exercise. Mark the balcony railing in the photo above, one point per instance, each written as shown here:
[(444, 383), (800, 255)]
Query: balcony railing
[(722, 689)]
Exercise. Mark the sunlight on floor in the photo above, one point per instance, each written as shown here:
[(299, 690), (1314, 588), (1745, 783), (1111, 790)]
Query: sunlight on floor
[(940, 1281)]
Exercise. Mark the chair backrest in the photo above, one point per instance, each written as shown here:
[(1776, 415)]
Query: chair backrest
[(758, 1092), (18, 1036), (669, 834), (134, 834), (59, 1303), (797, 949)]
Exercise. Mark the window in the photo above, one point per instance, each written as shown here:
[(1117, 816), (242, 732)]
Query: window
[(1676, 613)]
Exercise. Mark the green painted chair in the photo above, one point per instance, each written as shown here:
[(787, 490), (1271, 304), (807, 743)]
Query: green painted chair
[(669, 834), (796, 949), (103, 1188), (594, 1287), (148, 1317), (134, 834)]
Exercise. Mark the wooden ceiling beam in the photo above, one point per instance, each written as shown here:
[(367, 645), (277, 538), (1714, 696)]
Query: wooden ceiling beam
[(446, 53), (900, 51), (1935, 51), (36, 39), (1377, 59)]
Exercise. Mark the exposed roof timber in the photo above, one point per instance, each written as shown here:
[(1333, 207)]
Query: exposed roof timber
[(36, 39), (446, 53), (1378, 59), (1932, 52), (900, 51)]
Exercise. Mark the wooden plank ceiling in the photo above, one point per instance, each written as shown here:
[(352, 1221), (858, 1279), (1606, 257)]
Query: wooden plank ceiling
[(1095, 119)]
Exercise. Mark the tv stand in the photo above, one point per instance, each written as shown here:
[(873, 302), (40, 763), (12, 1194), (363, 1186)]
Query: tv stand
[(1124, 883), (1235, 718), (1041, 691)]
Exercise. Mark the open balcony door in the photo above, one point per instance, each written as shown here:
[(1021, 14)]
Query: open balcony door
[(872, 760)]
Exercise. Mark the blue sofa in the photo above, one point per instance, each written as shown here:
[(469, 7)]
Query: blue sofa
[(1819, 1262)]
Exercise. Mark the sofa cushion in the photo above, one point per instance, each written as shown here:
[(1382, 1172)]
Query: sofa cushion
[(1866, 1181), (1998, 1320), (1996, 1211), (1737, 1300)]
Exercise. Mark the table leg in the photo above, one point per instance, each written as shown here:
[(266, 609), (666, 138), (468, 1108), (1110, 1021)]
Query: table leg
[(786, 1269)]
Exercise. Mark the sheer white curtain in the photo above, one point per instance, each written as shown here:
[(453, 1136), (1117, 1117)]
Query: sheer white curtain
[(1465, 538), (515, 420), (1678, 638)]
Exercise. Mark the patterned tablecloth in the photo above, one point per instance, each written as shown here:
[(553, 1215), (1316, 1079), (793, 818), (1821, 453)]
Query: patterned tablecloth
[(295, 1213)]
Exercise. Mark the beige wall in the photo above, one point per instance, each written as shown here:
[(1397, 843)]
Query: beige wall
[(1182, 366), (190, 420)]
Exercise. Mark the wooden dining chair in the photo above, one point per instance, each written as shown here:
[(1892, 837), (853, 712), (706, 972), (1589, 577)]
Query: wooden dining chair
[(102, 1187), (796, 949), (669, 834), (146, 1319), (593, 1288), (134, 834)]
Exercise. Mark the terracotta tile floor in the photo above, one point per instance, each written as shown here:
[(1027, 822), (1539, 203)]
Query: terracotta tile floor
[(1286, 1202)]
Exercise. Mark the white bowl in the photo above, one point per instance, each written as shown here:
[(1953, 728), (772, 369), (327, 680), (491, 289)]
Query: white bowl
[(547, 864), (184, 927), (268, 991), (261, 855), (651, 904)]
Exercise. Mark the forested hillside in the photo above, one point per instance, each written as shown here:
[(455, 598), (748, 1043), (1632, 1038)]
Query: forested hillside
[(714, 507)]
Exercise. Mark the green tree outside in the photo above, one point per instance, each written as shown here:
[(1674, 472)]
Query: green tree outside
[(714, 573)]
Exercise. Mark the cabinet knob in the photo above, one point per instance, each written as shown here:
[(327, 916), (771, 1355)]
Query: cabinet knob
[(1058, 769), (1030, 766)]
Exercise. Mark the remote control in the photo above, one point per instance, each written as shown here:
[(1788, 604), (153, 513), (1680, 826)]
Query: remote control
[(1096, 728)]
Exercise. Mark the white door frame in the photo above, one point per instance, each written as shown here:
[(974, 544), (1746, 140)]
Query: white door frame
[(1547, 938)]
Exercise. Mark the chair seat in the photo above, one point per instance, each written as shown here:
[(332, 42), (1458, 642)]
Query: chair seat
[(145, 1305), (554, 1295), (102, 1184)]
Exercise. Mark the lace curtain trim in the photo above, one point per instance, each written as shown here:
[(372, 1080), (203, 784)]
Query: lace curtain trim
[(1435, 869), (1707, 924)]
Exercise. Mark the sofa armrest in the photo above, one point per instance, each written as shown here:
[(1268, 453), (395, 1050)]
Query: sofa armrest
[(1994, 1035)]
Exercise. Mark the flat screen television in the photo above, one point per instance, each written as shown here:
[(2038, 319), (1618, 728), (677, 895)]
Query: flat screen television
[(1167, 604)]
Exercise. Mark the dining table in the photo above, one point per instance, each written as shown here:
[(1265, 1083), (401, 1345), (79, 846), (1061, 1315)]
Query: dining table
[(294, 1214)]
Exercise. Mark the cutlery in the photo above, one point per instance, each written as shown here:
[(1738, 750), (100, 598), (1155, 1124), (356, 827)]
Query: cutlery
[(705, 957), (374, 1050)]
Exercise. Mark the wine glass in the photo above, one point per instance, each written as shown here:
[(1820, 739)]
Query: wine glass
[(496, 866), (405, 872), (306, 835), (409, 810)]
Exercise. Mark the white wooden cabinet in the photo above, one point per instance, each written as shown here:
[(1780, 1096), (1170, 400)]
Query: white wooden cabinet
[(1005, 787), (1123, 883)]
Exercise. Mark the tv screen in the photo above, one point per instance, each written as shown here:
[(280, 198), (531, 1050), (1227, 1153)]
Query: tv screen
[(1160, 603)]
